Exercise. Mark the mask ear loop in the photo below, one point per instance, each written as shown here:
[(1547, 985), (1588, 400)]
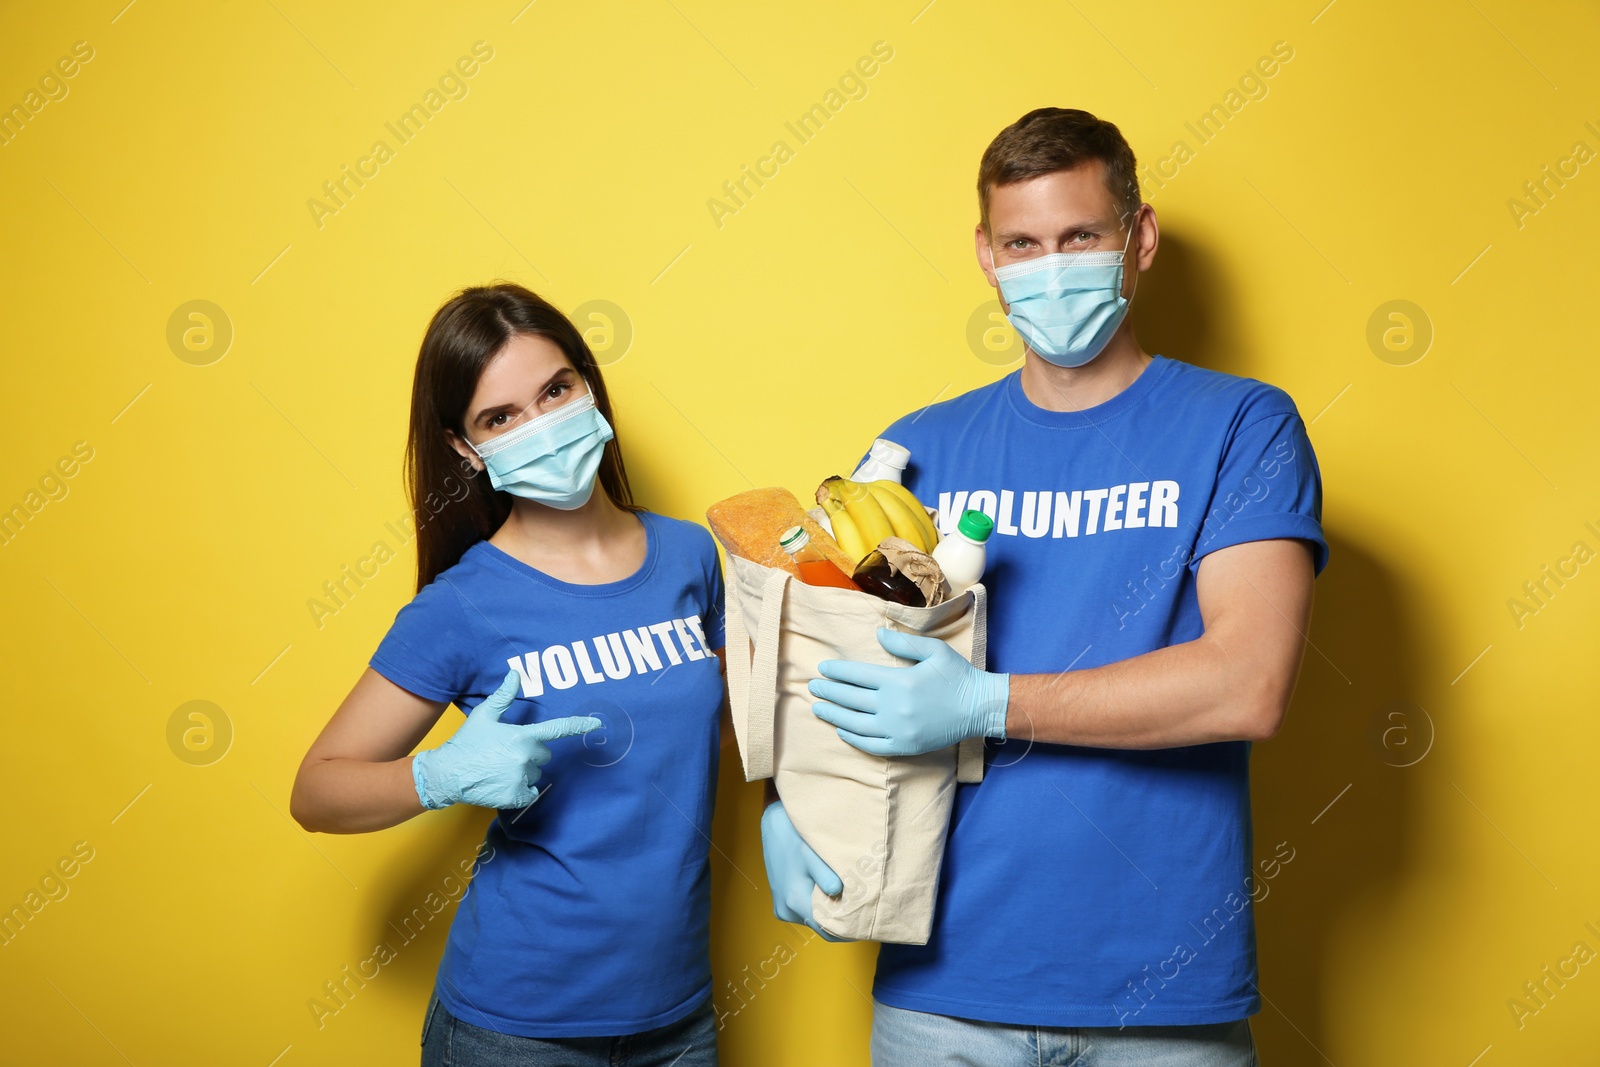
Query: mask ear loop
[(1125, 246)]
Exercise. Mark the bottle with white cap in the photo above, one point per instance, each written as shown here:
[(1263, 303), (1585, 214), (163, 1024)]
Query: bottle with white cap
[(962, 555), (886, 460)]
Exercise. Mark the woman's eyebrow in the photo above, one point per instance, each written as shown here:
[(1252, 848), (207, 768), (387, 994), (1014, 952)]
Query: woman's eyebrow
[(487, 413), (552, 379)]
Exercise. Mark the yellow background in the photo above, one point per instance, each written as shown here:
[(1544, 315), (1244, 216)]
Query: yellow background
[(1378, 166)]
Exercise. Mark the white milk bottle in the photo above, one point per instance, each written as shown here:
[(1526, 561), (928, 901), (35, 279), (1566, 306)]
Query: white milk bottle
[(962, 555)]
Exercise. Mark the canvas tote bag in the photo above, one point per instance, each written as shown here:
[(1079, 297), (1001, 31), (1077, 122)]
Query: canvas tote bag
[(878, 821)]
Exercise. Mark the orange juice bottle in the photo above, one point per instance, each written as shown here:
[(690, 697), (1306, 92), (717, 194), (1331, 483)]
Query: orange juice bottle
[(814, 567)]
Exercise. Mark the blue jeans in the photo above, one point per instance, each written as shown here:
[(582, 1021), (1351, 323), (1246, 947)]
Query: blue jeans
[(449, 1042), (902, 1038)]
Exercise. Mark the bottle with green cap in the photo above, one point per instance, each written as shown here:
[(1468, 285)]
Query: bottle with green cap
[(962, 555)]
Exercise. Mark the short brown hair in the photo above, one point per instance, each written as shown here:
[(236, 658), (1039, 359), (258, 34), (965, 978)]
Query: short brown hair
[(1049, 139)]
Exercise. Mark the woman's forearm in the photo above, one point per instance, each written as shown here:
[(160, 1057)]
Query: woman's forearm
[(347, 796)]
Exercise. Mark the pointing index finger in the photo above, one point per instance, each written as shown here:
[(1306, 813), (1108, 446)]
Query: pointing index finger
[(570, 726)]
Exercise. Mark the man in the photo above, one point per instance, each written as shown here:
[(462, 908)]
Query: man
[(1157, 531)]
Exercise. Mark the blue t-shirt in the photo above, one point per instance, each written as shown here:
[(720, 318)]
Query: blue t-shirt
[(591, 914), (1093, 886)]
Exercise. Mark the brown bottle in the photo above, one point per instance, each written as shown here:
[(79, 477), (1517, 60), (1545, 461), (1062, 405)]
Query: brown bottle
[(872, 575)]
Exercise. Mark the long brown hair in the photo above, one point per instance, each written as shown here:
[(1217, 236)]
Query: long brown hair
[(453, 506)]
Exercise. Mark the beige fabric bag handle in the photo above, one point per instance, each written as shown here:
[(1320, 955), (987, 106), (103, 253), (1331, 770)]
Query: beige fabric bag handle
[(762, 697), (969, 756), (753, 671)]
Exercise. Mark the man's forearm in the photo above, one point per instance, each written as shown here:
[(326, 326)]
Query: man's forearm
[(1187, 694)]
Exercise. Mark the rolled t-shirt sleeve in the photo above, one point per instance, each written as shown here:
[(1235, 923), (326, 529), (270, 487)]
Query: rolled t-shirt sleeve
[(427, 650), (1268, 486)]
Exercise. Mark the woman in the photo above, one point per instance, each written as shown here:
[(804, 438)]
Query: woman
[(584, 935)]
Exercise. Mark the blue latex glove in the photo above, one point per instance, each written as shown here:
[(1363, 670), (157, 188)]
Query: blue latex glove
[(905, 711), (793, 868), (488, 762)]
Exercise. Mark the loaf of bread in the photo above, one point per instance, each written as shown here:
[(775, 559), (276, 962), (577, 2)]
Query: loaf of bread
[(749, 523)]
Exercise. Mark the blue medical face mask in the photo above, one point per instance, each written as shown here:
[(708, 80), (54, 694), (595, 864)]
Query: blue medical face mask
[(1066, 305), (553, 458)]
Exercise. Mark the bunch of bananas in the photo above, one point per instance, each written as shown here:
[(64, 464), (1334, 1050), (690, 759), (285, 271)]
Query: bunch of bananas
[(864, 513)]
